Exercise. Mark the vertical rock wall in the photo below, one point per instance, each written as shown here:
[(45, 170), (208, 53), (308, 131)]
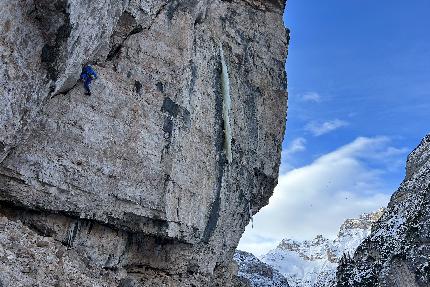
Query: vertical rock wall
[(136, 178)]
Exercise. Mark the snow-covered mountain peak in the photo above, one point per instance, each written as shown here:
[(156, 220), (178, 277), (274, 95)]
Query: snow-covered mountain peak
[(310, 249), (313, 263), (364, 222), (289, 244)]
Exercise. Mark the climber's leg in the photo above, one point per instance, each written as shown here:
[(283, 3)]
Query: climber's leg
[(87, 87)]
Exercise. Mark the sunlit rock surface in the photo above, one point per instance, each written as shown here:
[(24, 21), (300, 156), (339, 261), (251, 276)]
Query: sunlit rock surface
[(136, 177)]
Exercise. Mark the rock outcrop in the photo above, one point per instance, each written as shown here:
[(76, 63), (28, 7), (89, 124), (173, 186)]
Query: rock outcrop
[(30, 259), (396, 254), (258, 273), (313, 263), (155, 175)]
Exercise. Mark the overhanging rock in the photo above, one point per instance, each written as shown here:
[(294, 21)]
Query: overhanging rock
[(141, 166)]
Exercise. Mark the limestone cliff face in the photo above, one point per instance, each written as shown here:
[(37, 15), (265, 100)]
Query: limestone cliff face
[(396, 254), (158, 170)]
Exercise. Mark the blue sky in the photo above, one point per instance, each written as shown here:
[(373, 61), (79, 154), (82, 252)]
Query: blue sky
[(359, 101)]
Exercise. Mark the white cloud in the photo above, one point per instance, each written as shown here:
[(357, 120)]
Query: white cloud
[(318, 129), (311, 97), (317, 198), (297, 145)]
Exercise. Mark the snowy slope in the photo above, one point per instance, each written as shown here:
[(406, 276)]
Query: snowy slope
[(397, 252), (313, 263), (258, 273)]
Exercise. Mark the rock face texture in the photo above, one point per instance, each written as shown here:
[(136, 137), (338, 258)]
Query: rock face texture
[(313, 263), (157, 173), (258, 273), (396, 254), (30, 259)]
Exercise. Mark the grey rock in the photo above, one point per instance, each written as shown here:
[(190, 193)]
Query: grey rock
[(135, 177), (23, 263)]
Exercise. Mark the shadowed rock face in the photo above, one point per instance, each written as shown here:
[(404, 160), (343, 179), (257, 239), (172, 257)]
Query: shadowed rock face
[(135, 177), (397, 251)]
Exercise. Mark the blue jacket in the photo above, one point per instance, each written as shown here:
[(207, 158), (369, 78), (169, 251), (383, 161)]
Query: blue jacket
[(88, 73)]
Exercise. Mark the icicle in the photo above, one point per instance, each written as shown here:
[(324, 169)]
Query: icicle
[(226, 106), (70, 235)]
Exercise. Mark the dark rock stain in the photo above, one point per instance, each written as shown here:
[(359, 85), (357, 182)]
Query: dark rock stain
[(222, 160), (170, 107), (137, 86), (114, 52), (136, 30), (168, 127), (126, 26), (176, 111), (53, 20), (199, 19), (160, 87)]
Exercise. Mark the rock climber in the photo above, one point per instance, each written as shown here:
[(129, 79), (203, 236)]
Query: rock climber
[(87, 76)]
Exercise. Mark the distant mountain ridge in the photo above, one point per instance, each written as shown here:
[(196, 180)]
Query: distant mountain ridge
[(313, 263)]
